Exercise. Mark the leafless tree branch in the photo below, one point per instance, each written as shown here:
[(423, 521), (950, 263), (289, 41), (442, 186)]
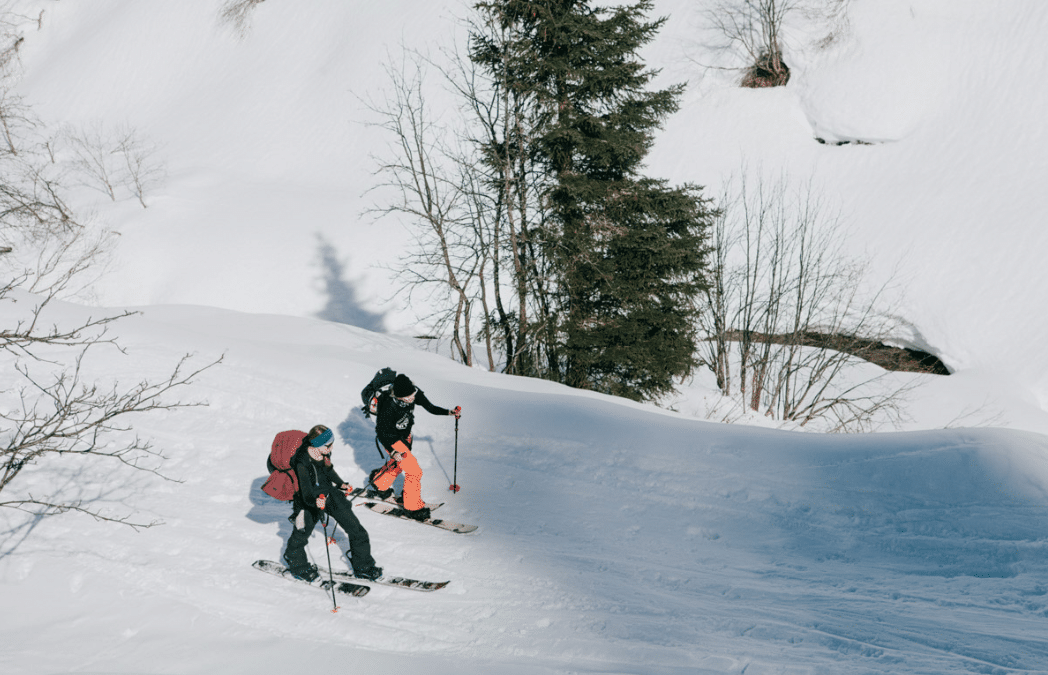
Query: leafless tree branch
[(779, 277)]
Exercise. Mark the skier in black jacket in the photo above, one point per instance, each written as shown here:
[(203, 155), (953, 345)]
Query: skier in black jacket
[(320, 489), (395, 417)]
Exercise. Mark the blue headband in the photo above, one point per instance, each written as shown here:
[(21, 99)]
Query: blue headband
[(323, 439)]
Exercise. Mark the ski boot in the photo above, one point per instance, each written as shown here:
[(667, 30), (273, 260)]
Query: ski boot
[(419, 514), (373, 491), (307, 574), (369, 574)]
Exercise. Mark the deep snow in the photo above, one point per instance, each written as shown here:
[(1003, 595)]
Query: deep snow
[(615, 537)]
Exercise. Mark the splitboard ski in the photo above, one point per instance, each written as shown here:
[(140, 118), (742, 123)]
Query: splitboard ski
[(370, 495), (388, 580), (322, 581), (399, 512)]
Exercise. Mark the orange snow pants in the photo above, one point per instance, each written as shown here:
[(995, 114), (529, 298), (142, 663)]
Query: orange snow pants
[(408, 465)]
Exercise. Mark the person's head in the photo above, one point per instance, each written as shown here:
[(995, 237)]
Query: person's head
[(320, 439), (404, 389)]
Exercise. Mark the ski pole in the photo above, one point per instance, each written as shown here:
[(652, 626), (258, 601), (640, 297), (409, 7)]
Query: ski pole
[(454, 480), (331, 575)]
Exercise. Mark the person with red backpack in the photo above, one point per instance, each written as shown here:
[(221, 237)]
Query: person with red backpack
[(321, 491), (394, 419)]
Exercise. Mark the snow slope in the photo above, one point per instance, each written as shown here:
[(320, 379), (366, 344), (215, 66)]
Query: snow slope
[(263, 136), (946, 191), (265, 139), (615, 537)]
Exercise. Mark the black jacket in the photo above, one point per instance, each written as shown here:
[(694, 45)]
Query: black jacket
[(395, 418), (314, 479)]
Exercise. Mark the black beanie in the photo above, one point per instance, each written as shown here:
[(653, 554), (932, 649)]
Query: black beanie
[(402, 386)]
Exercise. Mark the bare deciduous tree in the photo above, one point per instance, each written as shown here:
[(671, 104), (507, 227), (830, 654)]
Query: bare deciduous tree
[(52, 412), (50, 247), (476, 187), (95, 157), (752, 36), (471, 190), (64, 416), (143, 171), (788, 315), (511, 185), (753, 29), (113, 160), (423, 172), (15, 117), (11, 38)]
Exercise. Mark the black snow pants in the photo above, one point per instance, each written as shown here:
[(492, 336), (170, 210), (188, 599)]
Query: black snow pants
[(338, 508)]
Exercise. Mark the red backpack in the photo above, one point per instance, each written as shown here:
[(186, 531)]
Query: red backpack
[(283, 483)]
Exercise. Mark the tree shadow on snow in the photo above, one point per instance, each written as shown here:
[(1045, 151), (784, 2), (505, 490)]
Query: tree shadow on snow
[(343, 305), (77, 492), (17, 533)]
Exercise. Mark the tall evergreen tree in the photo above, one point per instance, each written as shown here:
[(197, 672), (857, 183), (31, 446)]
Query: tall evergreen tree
[(628, 251)]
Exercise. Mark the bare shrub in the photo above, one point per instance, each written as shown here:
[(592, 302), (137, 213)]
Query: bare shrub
[(64, 417), (754, 29), (780, 277), (142, 170), (114, 161), (753, 37), (237, 14), (53, 412)]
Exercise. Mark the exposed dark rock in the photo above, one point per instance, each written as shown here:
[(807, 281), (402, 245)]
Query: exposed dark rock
[(898, 359)]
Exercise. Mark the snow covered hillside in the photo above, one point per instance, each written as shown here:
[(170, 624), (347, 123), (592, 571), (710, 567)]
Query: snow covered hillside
[(264, 139), (614, 537), (942, 184)]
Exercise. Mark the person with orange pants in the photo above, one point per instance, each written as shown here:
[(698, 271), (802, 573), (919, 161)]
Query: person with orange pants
[(394, 420)]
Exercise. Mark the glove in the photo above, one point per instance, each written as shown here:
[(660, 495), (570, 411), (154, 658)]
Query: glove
[(457, 412), (347, 488), (321, 502), (396, 453)]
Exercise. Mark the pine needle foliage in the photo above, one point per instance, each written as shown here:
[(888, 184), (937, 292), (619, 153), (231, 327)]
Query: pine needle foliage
[(627, 252)]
